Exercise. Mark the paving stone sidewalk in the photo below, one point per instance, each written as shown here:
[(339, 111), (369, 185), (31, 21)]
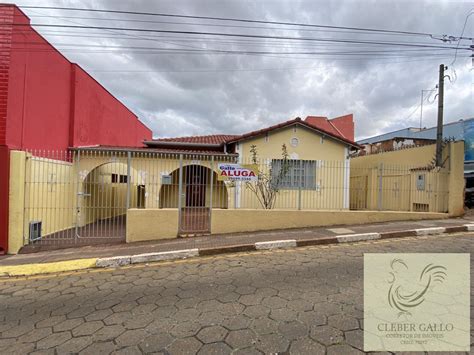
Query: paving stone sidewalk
[(220, 241)]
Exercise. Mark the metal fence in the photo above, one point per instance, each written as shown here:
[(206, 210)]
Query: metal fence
[(82, 196)]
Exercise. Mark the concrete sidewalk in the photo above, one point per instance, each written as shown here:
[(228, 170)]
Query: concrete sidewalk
[(216, 244)]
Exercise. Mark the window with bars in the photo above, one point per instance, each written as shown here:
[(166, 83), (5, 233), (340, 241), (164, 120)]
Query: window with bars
[(300, 174), (117, 178)]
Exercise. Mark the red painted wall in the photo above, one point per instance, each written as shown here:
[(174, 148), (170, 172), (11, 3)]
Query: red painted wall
[(345, 124), (38, 92), (99, 117), (49, 103), (53, 103)]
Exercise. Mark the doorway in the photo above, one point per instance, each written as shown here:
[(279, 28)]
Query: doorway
[(195, 218)]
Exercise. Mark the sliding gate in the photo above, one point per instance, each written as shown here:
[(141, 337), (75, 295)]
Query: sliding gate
[(76, 198)]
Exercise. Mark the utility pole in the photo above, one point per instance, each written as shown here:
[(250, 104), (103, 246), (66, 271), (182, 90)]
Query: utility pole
[(439, 132)]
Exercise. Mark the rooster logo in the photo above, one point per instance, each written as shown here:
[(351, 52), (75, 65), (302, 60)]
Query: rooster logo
[(403, 295)]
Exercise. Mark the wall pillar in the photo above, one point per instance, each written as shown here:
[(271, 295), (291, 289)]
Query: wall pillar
[(456, 179), (16, 198), (4, 192)]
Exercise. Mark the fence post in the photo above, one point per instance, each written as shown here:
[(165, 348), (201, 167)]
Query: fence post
[(210, 193), (380, 186), (16, 203), (129, 158), (180, 191), (78, 194), (300, 183)]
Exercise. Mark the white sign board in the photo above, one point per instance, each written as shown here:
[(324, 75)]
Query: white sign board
[(237, 172)]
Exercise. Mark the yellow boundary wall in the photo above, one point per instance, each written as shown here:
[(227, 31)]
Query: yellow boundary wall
[(16, 201), (156, 224), (151, 224), (236, 221)]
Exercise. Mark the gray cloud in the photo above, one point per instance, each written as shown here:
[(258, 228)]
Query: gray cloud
[(184, 94)]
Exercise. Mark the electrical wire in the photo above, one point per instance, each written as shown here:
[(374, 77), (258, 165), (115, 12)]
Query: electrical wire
[(374, 30), (453, 69), (242, 35)]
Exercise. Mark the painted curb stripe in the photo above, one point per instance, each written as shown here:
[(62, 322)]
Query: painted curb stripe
[(430, 231), (47, 268), (318, 241), (470, 227), (276, 244), (115, 261), (229, 249), (161, 256), (399, 234), (456, 229), (347, 238)]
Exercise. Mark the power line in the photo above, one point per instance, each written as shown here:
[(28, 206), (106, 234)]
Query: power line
[(411, 33), (471, 12), (348, 52), (202, 24), (243, 69), (66, 33), (239, 35), (284, 55)]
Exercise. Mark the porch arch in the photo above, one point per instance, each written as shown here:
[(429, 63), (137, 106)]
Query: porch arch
[(104, 193), (196, 189)]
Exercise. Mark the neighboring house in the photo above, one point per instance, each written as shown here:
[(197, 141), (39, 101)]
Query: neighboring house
[(462, 130), (392, 144), (459, 130), (48, 103)]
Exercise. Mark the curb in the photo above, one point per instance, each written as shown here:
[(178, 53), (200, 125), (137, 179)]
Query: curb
[(117, 261), (47, 268), (277, 244)]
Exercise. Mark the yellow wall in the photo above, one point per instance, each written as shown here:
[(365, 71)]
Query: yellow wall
[(238, 221), (310, 145), (151, 224), (330, 170), (410, 156), (456, 180), (397, 172), (16, 200), (50, 194), (40, 190)]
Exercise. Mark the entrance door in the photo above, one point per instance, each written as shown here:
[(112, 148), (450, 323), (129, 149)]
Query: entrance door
[(196, 179), (195, 214)]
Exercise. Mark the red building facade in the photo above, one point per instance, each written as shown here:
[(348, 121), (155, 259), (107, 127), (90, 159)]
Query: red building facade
[(49, 103)]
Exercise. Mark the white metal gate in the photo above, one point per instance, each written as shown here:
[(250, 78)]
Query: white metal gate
[(68, 204)]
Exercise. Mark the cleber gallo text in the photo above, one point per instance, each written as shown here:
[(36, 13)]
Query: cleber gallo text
[(413, 327)]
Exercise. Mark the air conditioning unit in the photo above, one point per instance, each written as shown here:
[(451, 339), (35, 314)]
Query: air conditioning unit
[(35, 230)]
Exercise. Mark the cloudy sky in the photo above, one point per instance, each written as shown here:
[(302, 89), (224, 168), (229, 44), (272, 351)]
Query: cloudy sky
[(198, 84)]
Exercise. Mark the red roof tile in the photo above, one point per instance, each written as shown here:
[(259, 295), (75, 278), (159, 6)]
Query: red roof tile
[(329, 129), (211, 139), (339, 128), (342, 126)]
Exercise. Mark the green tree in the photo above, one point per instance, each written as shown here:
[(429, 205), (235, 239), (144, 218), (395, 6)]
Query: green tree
[(266, 188)]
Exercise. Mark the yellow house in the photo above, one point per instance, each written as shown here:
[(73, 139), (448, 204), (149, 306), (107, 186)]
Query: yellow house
[(83, 195), (316, 168), (180, 186)]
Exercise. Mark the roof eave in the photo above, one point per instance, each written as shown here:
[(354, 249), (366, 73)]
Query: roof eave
[(302, 123), (182, 144)]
